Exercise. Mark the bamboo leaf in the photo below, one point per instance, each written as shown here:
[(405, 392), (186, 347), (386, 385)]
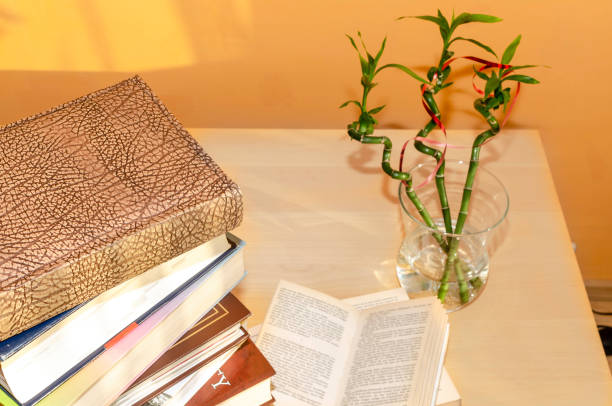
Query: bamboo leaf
[(346, 103), (361, 40), (441, 16), (493, 103), (353, 43), (370, 57), (513, 68), (465, 18), (522, 67), (362, 60), (376, 109), (522, 79), (380, 51), (477, 43), (509, 52), (506, 96), (480, 74), (433, 19), (444, 27), (403, 69), (492, 83), (365, 67)]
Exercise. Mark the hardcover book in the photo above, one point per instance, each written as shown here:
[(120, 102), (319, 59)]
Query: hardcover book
[(243, 380), (136, 348), (207, 339), (96, 191), (43, 363)]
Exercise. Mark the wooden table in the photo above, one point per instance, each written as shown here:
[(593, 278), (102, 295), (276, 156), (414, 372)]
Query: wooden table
[(319, 211)]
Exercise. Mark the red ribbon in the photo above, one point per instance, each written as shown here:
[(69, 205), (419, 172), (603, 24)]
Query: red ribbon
[(486, 65)]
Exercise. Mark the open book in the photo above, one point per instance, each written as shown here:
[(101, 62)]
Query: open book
[(327, 352)]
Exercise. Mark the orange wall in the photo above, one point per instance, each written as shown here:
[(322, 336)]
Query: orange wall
[(271, 63)]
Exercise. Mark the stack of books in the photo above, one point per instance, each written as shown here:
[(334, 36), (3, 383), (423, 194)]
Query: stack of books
[(117, 261)]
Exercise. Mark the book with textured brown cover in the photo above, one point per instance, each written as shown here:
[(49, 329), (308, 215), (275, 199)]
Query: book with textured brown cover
[(96, 191), (246, 368)]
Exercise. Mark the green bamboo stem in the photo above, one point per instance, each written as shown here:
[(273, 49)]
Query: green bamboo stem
[(441, 188), (480, 106), (443, 289), (464, 292), (440, 183)]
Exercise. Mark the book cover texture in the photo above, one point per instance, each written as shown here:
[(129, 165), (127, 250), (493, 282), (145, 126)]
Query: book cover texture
[(96, 191)]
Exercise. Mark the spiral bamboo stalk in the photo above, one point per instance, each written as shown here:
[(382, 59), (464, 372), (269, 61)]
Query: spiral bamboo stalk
[(453, 244), (402, 176), (437, 155)]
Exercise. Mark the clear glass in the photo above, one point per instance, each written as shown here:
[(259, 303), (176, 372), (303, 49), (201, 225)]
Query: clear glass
[(421, 260)]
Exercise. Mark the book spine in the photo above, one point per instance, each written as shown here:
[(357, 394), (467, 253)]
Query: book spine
[(237, 245)]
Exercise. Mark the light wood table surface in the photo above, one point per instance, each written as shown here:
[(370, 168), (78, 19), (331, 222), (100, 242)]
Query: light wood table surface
[(319, 211)]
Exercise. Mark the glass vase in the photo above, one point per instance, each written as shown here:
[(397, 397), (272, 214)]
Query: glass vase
[(422, 257)]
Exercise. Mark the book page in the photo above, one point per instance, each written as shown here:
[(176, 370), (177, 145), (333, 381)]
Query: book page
[(447, 392), (383, 364), (377, 299), (306, 337)]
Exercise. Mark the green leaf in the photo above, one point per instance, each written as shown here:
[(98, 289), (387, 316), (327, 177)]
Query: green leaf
[(441, 16), (380, 51), (444, 27), (477, 43), (493, 103), (492, 83), (370, 57), (353, 43), (403, 69), (346, 103), (376, 109), (513, 68), (509, 52), (506, 96), (522, 79), (364, 64), (522, 67), (480, 74), (433, 19), (465, 18)]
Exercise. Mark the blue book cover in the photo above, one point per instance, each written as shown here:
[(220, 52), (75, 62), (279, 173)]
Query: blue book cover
[(236, 245)]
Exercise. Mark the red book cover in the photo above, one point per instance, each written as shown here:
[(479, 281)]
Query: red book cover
[(226, 314), (245, 369)]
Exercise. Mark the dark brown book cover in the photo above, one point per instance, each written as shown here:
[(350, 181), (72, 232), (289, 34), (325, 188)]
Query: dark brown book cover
[(97, 191), (226, 314), (245, 369)]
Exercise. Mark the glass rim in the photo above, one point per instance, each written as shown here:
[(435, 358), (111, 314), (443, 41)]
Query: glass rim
[(419, 220)]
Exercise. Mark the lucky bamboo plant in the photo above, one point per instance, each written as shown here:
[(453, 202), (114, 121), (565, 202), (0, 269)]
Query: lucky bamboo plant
[(496, 95)]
